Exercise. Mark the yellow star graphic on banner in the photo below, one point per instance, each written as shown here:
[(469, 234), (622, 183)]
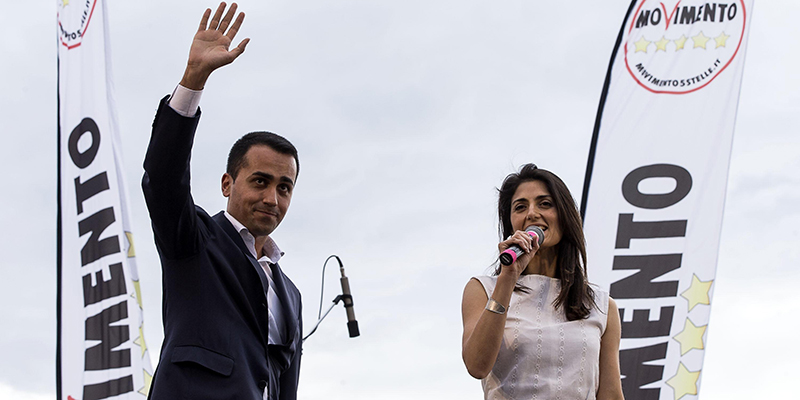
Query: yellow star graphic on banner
[(721, 40), (65, 3), (680, 43), (700, 40), (662, 44), (691, 337), (138, 293), (131, 250), (148, 380), (140, 340), (641, 45), (698, 292), (684, 382)]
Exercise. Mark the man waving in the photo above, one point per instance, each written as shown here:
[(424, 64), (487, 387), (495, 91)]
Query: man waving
[(232, 319)]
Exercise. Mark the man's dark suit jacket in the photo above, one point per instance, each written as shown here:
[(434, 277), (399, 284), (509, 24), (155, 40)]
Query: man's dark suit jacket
[(215, 292)]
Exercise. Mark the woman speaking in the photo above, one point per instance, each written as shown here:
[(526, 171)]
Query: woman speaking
[(536, 329)]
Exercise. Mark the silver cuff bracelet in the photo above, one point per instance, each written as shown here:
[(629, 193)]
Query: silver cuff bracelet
[(495, 307)]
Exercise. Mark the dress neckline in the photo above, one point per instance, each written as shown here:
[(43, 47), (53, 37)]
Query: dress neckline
[(537, 276)]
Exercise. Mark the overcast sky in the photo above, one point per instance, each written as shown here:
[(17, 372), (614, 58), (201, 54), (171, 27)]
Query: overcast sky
[(407, 115)]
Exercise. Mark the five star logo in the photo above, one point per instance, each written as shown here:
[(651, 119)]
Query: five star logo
[(137, 294), (680, 42), (684, 382), (698, 292), (721, 40), (148, 381), (140, 340), (147, 377), (691, 337), (659, 67), (700, 40), (73, 22), (641, 45), (131, 249), (662, 44)]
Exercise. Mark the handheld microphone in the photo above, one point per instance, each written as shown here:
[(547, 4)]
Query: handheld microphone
[(510, 255), (352, 324)]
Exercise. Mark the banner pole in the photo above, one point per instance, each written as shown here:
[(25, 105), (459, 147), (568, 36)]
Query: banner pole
[(58, 222), (596, 131)]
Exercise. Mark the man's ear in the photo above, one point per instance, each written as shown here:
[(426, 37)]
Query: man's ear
[(227, 183)]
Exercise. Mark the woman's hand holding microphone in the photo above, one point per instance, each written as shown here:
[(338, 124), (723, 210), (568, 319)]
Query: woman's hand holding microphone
[(518, 249)]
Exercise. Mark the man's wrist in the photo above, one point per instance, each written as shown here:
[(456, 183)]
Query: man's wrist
[(193, 79), (185, 101)]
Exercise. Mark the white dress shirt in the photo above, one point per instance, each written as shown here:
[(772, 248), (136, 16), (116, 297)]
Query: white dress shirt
[(185, 101), (271, 256)]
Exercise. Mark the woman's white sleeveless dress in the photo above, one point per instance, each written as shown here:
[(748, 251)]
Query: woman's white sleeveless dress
[(544, 356)]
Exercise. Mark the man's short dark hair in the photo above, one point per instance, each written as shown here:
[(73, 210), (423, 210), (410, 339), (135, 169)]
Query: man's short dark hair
[(275, 142)]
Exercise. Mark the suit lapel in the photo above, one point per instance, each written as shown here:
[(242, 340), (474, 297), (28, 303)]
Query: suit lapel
[(290, 303), (223, 222), (290, 298)]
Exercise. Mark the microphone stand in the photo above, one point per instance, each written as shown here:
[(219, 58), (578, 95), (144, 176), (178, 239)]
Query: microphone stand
[(336, 301), (352, 324)]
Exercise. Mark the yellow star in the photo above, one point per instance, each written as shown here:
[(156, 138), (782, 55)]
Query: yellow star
[(680, 43), (140, 340), (684, 382), (64, 3), (691, 337), (131, 250), (700, 40), (721, 40), (138, 296), (662, 44), (698, 292), (148, 380), (641, 45)]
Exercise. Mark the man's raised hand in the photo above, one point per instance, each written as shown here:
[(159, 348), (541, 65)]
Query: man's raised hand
[(210, 45)]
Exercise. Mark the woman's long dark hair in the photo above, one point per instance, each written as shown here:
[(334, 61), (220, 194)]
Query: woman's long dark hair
[(576, 297)]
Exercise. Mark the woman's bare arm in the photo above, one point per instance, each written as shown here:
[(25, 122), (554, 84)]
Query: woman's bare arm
[(610, 381), (483, 329)]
